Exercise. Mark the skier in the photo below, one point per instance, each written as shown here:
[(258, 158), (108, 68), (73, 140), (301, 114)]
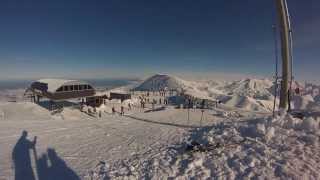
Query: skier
[(190, 103), (203, 104), (167, 101), (141, 102), (113, 110), (122, 111), (153, 104)]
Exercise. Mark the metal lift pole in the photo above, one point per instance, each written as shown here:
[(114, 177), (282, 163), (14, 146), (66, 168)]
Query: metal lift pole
[(284, 24), (276, 76)]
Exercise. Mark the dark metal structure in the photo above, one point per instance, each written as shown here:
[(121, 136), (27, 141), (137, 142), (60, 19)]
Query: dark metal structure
[(121, 96)]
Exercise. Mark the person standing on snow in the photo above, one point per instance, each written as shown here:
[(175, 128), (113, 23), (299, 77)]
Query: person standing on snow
[(122, 111), (153, 104), (113, 110)]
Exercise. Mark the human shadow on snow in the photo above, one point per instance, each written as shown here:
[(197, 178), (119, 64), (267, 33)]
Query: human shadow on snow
[(49, 166)]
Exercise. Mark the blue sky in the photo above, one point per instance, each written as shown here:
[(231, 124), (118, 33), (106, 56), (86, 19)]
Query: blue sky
[(126, 38)]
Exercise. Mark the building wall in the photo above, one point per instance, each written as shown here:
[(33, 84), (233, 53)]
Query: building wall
[(120, 96), (95, 101)]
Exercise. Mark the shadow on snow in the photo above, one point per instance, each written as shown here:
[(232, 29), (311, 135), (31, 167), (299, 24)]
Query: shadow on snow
[(49, 166)]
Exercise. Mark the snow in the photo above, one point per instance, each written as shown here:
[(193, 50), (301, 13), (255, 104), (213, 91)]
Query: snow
[(237, 140), (259, 149), (255, 88), (11, 95), (247, 94), (310, 125), (82, 140), (160, 81), (303, 102)]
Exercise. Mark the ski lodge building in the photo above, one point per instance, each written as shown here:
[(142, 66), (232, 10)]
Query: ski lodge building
[(60, 90)]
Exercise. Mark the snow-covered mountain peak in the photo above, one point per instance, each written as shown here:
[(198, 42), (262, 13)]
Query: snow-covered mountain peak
[(161, 81)]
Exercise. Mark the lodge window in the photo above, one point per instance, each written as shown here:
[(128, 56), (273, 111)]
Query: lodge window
[(65, 88), (76, 87), (80, 87), (89, 87), (71, 88)]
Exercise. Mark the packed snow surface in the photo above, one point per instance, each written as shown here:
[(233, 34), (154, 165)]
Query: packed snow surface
[(264, 148), (83, 139)]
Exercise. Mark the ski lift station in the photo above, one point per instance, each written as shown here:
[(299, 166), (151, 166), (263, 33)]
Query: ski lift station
[(59, 90)]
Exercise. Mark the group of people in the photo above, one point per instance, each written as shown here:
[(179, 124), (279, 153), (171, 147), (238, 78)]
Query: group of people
[(122, 109), (193, 103), (144, 100), (161, 92)]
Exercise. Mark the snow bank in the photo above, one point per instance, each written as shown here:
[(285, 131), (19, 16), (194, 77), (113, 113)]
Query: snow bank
[(244, 102), (11, 95), (31, 111), (269, 148), (303, 102), (71, 114)]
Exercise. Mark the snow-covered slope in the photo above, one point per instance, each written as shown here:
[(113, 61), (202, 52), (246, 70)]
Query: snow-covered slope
[(255, 88), (160, 81), (249, 94), (245, 102)]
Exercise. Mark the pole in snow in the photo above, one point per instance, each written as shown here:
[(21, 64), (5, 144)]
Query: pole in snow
[(276, 68), (202, 111), (284, 23)]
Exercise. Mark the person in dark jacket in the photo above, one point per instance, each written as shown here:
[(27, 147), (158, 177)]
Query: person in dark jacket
[(122, 111)]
